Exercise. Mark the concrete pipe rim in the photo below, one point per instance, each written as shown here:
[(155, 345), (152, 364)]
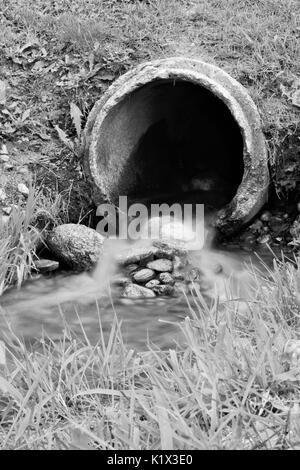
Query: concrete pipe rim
[(251, 193)]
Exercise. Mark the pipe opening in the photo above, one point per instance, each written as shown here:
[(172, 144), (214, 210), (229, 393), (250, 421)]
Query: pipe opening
[(171, 141)]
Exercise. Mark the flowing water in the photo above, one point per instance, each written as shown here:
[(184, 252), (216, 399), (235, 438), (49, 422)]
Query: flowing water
[(89, 300)]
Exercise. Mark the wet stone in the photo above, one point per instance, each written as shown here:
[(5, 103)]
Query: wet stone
[(135, 291), (217, 268), (266, 216), (130, 268), (120, 281), (249, 239), (161, 265), (76, 245), (143, 275), (46, 265), (168, 249), (256, 226), (178, 275), (164, 289), (166, 278), (152, 283), (137, 256)]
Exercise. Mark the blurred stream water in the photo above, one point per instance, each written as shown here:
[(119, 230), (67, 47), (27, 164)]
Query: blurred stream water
[(44, 304)]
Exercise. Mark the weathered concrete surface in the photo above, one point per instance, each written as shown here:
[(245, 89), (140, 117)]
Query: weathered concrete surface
[(100, 146), (77, 246)]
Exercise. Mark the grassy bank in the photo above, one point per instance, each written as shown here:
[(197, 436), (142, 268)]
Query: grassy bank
[(54, 54), (234, 385)]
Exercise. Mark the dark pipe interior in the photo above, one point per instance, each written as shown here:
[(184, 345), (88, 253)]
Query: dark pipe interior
[(172, 141)]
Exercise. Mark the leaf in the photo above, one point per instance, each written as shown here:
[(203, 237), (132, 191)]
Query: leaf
[(76, 118), (166, 434), (2, 92), (63, 137)]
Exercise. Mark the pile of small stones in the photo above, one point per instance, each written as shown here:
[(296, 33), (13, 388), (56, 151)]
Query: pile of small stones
[(152, 271), (272, 228)]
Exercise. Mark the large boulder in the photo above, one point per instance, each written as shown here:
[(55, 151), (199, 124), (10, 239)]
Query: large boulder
[(77, 246)]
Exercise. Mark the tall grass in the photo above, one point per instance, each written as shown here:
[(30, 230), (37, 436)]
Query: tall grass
[(22, 233), (233, 383)]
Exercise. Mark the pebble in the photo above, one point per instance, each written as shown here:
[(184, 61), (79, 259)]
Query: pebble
[(250, 239), (266, 216), (276, 224), (169, 249), (178, 275), (152, 283), (217, 268), (161, 265), (298, 206), (165, 289), (137, 255), (46, 265), (134, 291), (167, 278), (256, 226), (22, 188), (131, 268), (143, 275)]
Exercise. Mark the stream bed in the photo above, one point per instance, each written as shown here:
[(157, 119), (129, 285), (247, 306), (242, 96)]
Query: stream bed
[(47, 302)]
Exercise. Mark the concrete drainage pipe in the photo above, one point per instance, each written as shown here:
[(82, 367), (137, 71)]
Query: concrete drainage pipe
[(179, 130)]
